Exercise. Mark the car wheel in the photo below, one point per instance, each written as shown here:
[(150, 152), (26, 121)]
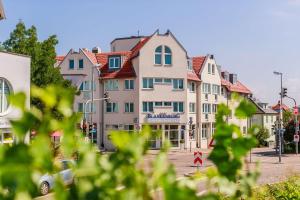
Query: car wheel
[(44, 188)]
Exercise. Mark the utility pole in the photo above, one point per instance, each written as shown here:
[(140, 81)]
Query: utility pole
[(280, 116)]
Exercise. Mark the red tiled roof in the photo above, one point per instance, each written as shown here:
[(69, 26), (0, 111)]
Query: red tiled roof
[(60, 58), (192, 76), (125, 71), (198, 63), (277, 107), (90, 55), (238, 87)]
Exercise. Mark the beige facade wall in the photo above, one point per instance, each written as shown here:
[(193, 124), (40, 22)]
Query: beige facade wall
[(78, 76), (208, 119)]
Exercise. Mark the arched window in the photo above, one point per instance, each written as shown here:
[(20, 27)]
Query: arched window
[(5, 91), (158, 55), (168, 56)]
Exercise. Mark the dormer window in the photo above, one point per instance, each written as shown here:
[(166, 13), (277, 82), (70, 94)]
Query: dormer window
[(114, 62)]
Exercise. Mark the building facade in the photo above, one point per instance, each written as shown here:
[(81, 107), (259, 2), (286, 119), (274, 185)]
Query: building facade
[(151, 80), (12, 82)]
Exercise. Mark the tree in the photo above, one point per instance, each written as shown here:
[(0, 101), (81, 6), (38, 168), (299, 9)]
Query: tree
[(262, 135), (42, 53), (287, 117)]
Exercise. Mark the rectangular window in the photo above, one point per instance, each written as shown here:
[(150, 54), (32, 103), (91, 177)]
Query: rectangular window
[(147, 83), (71, 64), (129, 84), (158, 103), (206, 88), (177, 106), (213, 69), (80, 64), (112, 107), (216, 89), (167, 80), (214, 108), (192, 87), (168, 103), (129, 128), (129, 107), (213, 128), (209, 68), (87, 86), (80, 107), (114, 62), (168, 59), (147, 106), (206, 108), (192, 107), (111, 85), (178, 84), (158, 80), (190, 64), (204, 132)]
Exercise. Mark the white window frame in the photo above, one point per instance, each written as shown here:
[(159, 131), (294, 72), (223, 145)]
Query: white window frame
[(176, 87), (167, 54), (206, 108), (130, 107), (192, 107), (148, 106), (206, 88), (114, 108), (130, 84), (191, 86), (178, 102), (114, 58), (111, 85), (147, 86)]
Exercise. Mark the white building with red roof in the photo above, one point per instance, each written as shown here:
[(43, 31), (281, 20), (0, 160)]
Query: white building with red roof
[(150, 80)]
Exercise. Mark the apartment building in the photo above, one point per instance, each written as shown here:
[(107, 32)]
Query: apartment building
[(151, 80), (82, 69)]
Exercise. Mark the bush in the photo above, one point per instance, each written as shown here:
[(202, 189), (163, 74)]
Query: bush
[(262, 136)]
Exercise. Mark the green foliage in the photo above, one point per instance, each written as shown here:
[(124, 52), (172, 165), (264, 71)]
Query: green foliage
[(262, 135), (124, 174), (287, 117), (228, 154), (286, 190), (25, 41)]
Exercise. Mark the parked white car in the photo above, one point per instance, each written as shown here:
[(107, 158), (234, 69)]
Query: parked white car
[(46, 182)]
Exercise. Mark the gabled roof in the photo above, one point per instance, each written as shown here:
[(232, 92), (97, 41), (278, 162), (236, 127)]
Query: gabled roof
[(238, 87), (198, 63), (59, 58), (91, 56), (259, 109), (277, 107)]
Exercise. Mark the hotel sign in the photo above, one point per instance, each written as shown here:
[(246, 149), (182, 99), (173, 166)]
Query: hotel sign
[(163, 117)]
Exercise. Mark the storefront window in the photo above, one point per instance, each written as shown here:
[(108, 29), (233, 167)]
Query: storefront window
[(5, 91)]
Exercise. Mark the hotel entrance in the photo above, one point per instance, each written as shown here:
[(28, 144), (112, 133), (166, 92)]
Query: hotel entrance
[(162, 132)]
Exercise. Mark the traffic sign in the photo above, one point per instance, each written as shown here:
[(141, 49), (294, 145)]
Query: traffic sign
[(295, 110), (296, 138), (198, 159)]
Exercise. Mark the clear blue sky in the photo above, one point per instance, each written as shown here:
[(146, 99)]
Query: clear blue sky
[(250, 38)]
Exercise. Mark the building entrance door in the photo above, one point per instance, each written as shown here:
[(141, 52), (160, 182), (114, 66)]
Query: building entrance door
[(172, 134), (155, 138)]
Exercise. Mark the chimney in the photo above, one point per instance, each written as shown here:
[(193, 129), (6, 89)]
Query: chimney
[(96, 50)]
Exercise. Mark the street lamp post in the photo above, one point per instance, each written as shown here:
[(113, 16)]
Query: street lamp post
[(280, 115), (85, 107)]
